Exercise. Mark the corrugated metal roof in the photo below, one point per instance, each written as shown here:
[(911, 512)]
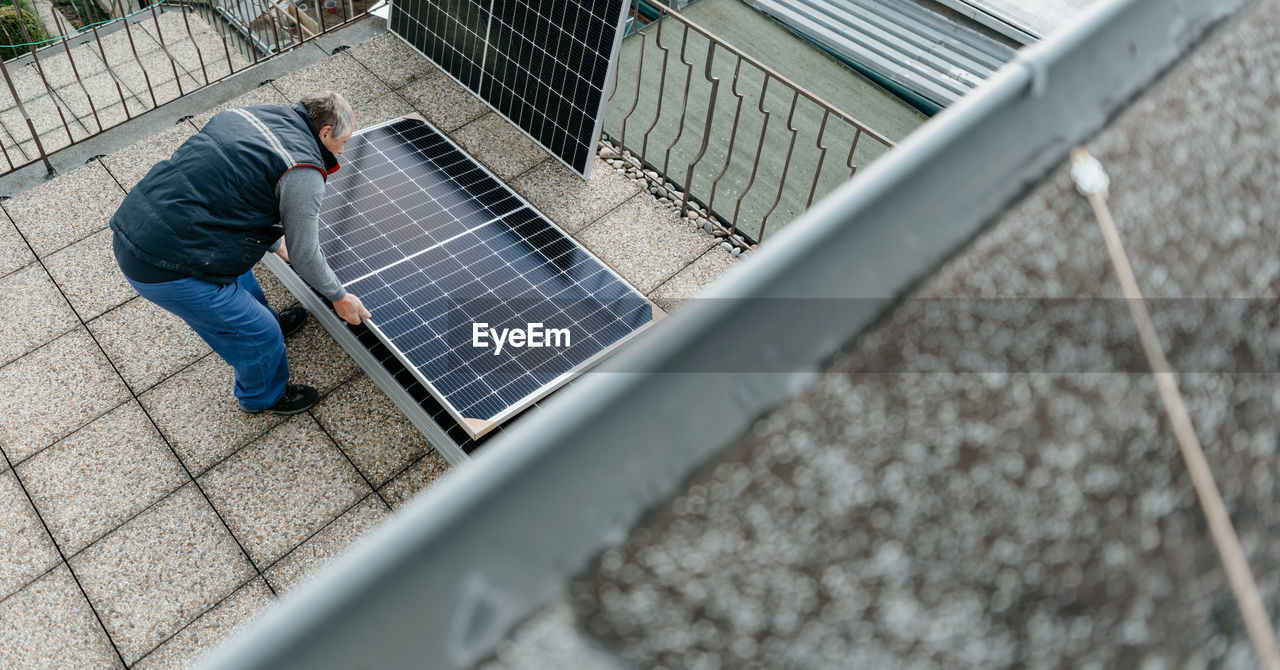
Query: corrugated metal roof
[(899, 41)]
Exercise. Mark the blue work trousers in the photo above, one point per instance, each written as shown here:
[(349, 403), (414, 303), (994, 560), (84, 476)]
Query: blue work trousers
[(238, 324)]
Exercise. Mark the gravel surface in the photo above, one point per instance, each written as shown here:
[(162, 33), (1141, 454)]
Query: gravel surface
[(981, 485)]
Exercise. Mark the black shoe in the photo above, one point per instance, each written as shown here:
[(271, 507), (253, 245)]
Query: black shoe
[(292, 320), (297, 399)]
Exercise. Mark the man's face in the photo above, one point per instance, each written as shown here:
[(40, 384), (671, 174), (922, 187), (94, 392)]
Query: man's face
[(334, 144)]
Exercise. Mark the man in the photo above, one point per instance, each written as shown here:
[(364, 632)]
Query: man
[(188, 235)]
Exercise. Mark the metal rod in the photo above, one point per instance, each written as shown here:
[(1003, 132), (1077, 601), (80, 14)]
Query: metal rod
[(74, 70), (226, 49), (88, 15), (662, 87), (5, 151), (173, 62), (102, 51), (684, 102), (17, 99), (182, 7), (133, 48), (706, 129), (853, 169), (733, 135), (644, 44), (755, 167), (822, 156), (786, 165), (1234, 563), (35, 59), (274, 30)]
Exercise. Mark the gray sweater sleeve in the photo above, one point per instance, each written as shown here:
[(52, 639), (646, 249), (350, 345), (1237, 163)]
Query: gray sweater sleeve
[(301, 191)]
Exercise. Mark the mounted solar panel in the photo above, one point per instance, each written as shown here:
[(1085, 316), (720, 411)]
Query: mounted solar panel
[(545, 65), (479, 295)]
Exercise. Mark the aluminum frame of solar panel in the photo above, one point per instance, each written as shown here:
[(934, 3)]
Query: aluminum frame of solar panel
[(507, 204), (458, 35)]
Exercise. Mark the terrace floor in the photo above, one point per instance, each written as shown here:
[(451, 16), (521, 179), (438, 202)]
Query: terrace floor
[(143, 518)]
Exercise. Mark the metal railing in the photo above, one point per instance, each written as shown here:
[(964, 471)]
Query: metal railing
[(98, 73), (733, 159)]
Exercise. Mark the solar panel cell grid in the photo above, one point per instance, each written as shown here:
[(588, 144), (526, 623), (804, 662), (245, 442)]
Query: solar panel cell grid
[(437, 245), (543, 64)]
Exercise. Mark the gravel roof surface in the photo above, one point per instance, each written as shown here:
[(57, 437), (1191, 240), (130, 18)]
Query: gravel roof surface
[(993, 483)]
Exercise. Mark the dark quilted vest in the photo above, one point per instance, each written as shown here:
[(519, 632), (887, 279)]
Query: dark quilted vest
[(211, 210)]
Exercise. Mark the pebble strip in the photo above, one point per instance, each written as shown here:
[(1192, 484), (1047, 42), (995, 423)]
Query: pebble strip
[(668, 194)]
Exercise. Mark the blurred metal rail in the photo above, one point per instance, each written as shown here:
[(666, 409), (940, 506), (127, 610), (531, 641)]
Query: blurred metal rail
[(443, 580)]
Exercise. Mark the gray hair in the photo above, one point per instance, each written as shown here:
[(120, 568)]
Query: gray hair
[(328, 108)]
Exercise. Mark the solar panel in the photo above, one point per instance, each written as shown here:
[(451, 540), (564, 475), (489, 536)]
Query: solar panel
[(480, 296), (545, 65)]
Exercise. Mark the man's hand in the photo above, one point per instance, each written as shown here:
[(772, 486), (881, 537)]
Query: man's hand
[(351, 309), (282, 252)]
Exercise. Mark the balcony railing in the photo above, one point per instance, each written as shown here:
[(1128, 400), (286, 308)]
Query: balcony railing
[(734, 144), (96, 73)]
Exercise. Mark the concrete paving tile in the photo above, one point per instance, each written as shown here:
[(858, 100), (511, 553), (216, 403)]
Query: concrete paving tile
[(693, 280), (87, 273), (11, 152), (168, 91), (213, 627), (418, 477), (167, 28), (197, 413), (206, 61), (52, 139), (316, 359), (14, 154), (283, 487), (305, 562), (148, 72), (340, 73), (130, 164), (53, 391), (79, 131), (58, 69), (50, 625), (370, 430), (384, 108), (114, 113), (25, 549), (219, 56), (146, 342), (44, 113), (645, 242), (393, 61), (36, 312), (447, 105), (158, 572), (569, 200), (262, 95), (101, 89), (66, 209), (119, 46), (278, 296), (27, 81), (100, 475), (507, 152), (14, 252)]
